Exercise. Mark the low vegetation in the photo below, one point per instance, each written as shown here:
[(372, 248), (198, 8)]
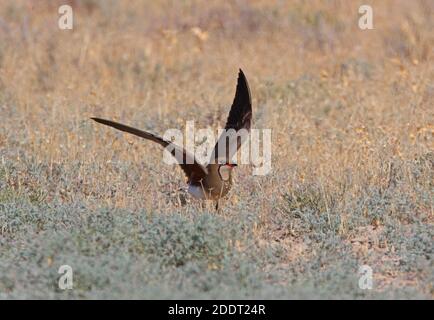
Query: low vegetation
[(352, 121)]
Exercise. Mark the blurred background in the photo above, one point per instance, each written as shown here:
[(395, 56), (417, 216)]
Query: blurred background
[(352, 117)]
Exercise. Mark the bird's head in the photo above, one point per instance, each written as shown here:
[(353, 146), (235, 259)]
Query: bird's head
[(225, 170)]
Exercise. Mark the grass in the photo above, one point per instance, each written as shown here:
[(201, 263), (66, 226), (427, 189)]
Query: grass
[(352, 163)]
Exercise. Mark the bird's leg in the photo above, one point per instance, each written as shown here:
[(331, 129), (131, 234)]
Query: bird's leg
[(217, 206)]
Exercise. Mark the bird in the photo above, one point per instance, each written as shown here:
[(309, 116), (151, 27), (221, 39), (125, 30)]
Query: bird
[(214, 180)]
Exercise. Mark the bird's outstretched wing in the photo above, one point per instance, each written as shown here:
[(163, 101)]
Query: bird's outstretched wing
[(193, 169), (240, 117)]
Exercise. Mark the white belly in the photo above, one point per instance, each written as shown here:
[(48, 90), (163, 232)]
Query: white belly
[(196, 191)]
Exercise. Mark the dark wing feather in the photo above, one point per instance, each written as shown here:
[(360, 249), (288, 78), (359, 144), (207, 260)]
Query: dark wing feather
[(194, 171), (240, 117)]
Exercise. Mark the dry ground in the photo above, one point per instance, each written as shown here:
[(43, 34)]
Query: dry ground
[(353, 162)]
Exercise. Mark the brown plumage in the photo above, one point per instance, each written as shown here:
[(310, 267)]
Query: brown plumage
[(215, 180), (192, 169)]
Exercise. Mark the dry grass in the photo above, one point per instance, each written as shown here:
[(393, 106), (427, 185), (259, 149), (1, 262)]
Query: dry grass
[(351, 113)]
